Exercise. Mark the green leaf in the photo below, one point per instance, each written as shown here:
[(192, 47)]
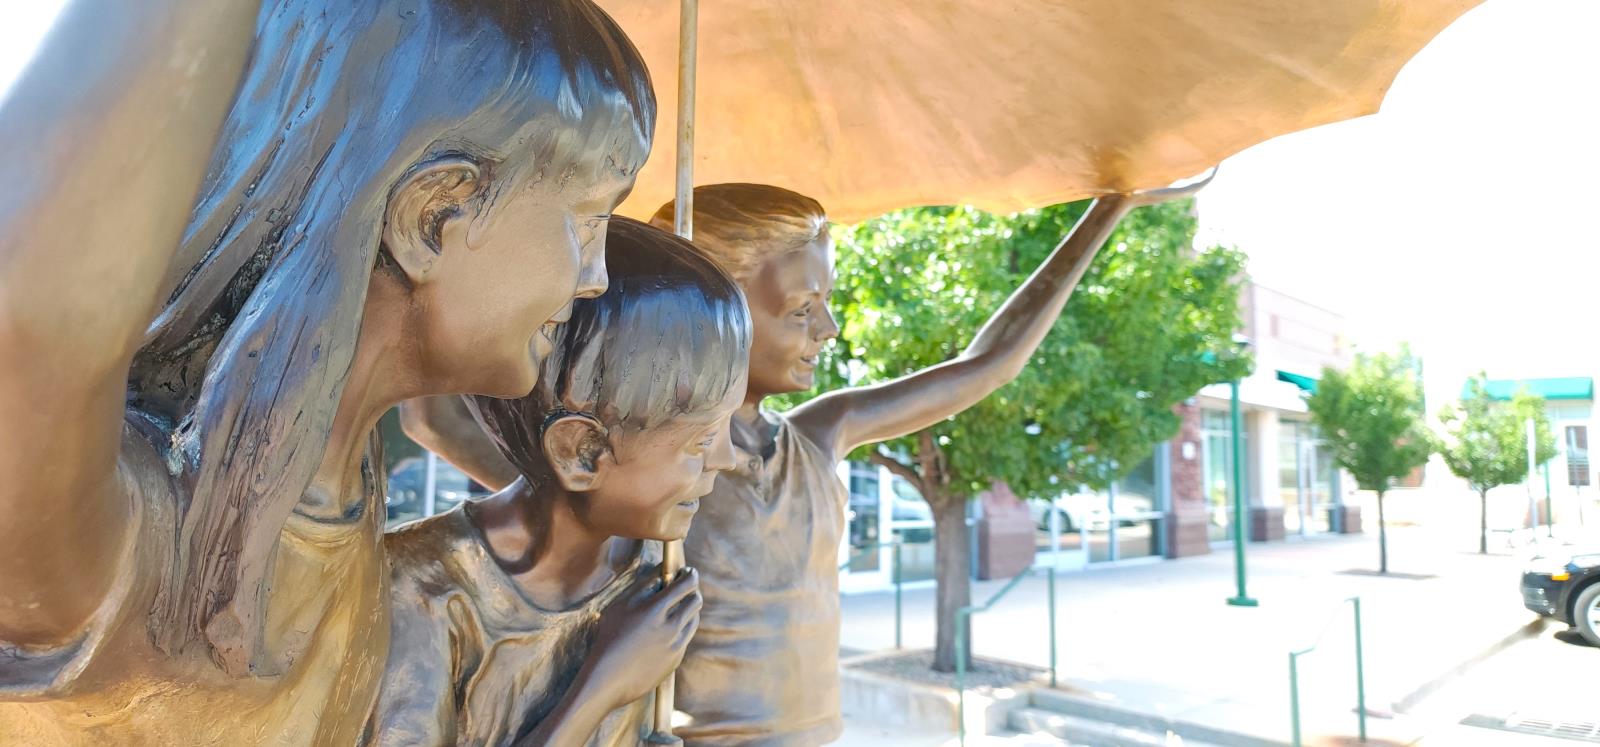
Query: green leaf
[(915, 285)]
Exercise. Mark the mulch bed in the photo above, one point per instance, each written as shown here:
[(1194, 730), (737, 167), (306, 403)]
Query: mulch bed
[(917, 666), (1390, 574)]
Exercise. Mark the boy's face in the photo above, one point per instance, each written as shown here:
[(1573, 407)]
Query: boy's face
[(650, 484), (790, 318)]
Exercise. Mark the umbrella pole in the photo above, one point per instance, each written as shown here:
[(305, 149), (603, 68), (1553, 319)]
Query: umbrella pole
[(683, 225), (688, 22)]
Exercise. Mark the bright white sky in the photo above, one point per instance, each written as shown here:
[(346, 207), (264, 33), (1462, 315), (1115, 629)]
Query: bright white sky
[(21, 25), (1462, 218)]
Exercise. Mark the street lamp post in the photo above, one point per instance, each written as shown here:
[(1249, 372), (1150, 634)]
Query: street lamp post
[(1241, 599)]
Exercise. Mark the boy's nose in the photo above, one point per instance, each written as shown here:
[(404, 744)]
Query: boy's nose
[(722, 457), (828, 328)]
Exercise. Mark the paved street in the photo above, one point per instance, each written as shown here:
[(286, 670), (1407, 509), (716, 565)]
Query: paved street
[(1159, 637), (1540, 686)]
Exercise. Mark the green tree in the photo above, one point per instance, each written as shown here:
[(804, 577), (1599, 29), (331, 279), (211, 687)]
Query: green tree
[(1483, 444), (915, 285), (1529, 406), (1372, 416)]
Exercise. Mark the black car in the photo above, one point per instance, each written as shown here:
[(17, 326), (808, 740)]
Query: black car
[(1566, 586)]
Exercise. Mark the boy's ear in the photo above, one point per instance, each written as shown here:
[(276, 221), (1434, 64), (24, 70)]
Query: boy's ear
[(576, 447), (420, 205)]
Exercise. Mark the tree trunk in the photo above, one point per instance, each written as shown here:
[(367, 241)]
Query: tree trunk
[(1483, 522), (952, 575), (1383, 538)]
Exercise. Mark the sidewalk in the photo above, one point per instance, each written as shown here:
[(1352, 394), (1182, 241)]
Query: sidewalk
[(1160, 638)]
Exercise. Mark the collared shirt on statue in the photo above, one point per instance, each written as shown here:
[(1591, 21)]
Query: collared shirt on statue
[(764, 667)]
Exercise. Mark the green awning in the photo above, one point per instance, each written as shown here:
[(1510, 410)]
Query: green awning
[(1306, 383), (1569, 387)]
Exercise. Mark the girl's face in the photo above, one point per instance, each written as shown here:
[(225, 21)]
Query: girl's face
[(508, 274), (788, 298), (651, 482)]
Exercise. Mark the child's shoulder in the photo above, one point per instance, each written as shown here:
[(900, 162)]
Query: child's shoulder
[(427, 554), (438, 531)]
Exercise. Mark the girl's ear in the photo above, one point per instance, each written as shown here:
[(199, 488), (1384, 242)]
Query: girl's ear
[(419, 206), (576, 446)]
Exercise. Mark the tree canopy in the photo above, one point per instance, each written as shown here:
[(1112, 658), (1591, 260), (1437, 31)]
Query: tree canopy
[(1484, 441), (1372, 416), (915, 285), (1529, 406)]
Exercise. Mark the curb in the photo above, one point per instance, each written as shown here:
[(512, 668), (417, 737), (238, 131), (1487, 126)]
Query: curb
[(1139, 721), (1412, 699)]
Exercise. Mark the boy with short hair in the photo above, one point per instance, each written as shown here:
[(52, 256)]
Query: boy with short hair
[(532, 617)]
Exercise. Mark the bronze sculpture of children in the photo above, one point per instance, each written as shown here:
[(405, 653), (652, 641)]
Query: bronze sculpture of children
[(531, 617)]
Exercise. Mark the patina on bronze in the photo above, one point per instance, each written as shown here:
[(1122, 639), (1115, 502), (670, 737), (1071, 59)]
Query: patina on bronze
[(401, 195), (767, 539), (531, 616)]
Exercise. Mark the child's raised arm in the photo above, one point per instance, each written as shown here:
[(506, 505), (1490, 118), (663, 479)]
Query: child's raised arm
[(848, 418), (108, 133), (445, 426)]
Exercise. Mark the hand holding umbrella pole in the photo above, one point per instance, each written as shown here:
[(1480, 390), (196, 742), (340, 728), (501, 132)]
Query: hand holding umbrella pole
[(682, 222), (671, 564)]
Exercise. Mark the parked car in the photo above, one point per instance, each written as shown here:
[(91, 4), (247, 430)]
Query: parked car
[(1565, 585), (409, 477), (1087, 510), (913, 519)]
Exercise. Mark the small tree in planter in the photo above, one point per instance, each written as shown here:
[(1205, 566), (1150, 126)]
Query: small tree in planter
[(1372, 416), (1483, 443)]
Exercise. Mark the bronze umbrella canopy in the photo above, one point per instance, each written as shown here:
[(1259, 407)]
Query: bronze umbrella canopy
[(1007, 104), (873, 105)]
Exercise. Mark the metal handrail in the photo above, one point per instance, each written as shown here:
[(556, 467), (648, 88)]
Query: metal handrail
[(895, 569), (961, 640), (1361, 682)]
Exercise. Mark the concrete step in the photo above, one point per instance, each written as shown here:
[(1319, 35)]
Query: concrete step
[(1065, 704), (1085, 732)]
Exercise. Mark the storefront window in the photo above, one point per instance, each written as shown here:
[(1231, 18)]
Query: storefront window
[(1138, 538), (913, 527), (407, 498), (1136, 492), (1099, 542), (1217, 442), (1062, 542), (1290, 487), (863, 517), (1135, 508), (1577, 448), (885, 507), (1324, 486)]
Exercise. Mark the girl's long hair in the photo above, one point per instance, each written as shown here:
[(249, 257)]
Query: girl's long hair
[(244, 366)]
